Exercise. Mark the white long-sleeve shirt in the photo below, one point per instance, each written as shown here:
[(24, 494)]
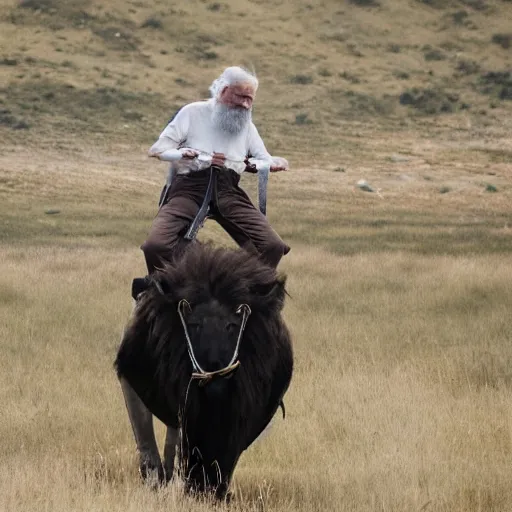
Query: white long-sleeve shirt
[(192, 127)]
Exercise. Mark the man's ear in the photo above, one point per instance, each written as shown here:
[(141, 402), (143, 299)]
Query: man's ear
[(224, 89)]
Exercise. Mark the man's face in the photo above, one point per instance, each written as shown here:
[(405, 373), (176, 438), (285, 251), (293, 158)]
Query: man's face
[(233, 109), (238, 95)]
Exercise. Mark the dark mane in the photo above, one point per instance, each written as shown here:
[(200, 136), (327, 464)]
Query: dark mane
[(231, 276), (153, 355)]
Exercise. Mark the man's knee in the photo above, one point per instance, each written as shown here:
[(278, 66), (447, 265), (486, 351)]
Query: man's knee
[(273, 251), (153, 248), (158, 254)]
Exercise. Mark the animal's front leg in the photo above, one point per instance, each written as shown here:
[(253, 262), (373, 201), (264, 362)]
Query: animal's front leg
[(171, 439), (226, 469), (141, 419)]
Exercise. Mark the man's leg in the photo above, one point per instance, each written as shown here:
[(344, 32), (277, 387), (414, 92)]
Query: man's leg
[(246, 224), (165, 240)]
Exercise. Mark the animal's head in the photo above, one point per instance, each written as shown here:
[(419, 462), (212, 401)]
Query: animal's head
[(212, 300), (213, 331)]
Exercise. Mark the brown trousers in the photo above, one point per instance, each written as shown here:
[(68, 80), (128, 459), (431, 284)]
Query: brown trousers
[(230, 207)]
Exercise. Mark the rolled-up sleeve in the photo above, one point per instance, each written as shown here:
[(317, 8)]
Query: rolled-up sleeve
[(173, 135), (260, 157)]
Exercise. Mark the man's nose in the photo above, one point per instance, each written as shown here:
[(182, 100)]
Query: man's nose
[(246, 103)]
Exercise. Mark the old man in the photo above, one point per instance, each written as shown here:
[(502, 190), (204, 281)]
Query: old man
[(210, 144)]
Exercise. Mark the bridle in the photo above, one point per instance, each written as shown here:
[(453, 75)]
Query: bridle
[(199, 373)]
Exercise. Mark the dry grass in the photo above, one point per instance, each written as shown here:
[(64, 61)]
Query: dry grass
[(401, 395), (400, 299)]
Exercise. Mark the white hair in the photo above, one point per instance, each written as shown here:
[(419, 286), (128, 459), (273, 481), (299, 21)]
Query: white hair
[(231, 76)]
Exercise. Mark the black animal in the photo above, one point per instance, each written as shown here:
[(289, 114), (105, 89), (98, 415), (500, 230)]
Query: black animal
[(207, 295)]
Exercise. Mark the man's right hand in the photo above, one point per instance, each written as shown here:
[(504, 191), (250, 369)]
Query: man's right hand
[(188, 153)]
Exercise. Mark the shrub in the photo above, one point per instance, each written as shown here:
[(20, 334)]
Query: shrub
[(324, 72), (497, 83), (301, 79), (38, 5), (401, 75), (434, 54), (468, 67), (302, 119), (460, 17), (152, 23), (504, 40), (366, 3), (431, 101), (9, 62)]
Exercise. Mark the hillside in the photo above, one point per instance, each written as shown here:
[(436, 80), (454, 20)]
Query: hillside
[(333, 73), (399, 300)]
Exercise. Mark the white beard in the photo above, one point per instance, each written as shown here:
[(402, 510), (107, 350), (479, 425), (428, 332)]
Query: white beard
[(230, 119)]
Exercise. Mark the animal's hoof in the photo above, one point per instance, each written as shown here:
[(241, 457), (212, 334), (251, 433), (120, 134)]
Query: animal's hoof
[(223, 494), (152, 473), (228, 498), (168, 472)]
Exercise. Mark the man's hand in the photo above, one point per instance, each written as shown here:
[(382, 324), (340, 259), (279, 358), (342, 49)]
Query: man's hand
[(279, 164), (276, 168), (250, 168), (188, 153), (218, 159)]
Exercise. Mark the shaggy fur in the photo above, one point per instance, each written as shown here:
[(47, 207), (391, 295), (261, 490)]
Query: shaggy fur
[(221, 419)]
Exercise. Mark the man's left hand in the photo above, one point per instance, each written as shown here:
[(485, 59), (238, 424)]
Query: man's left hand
[(218, 159), (279, 164)]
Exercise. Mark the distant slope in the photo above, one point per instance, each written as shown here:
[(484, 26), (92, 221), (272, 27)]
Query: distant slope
[(98, 69)]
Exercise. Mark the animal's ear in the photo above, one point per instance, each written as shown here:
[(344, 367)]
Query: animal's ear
[(139, 285), (161, 284), (142, 284), (272, 293)]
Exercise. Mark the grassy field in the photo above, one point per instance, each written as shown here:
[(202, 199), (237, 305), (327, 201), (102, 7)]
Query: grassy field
[(399, 312), (399, 298)]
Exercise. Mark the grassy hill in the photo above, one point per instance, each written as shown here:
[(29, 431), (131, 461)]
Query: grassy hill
[(399, 299), (117, 70)]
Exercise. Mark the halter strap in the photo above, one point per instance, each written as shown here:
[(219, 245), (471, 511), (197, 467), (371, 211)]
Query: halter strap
[(199, 373)]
